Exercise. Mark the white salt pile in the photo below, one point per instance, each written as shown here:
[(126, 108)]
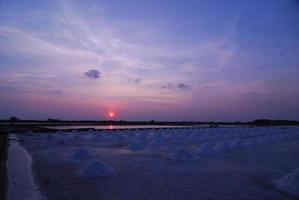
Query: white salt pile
[(166, 134), (77, 137), (62, 142), (178, 139), (60, 132), (289, 183), (268, 139), (96, 169), (237, 143), (80, 154), (194, 138), (87, 135), (95, 142), (257, 140), (182, 154), (249, 143), (282, 136), (142, 136), (119, 140), (157, 141), (221, 146), (98, 136), (262, 140), (135, 146), (205, 148), (295, 135), (204, 137), (275, 137), (131, 134), (28, 132), (217, 135), (288, 136), (50, 138)]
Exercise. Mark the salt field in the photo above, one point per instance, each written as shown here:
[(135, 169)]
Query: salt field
[(203, 163)]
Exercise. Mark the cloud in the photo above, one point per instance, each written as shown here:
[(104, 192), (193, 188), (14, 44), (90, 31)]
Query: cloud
[(183, 87), (51, 92), (250, 94), (93, 74), (137, 81), (178, 87), (168, 86)]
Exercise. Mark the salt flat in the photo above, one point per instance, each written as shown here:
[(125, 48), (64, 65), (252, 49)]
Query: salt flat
[(203, 163)]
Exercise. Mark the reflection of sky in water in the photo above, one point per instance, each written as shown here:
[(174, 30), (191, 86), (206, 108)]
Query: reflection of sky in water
[(110, 127)]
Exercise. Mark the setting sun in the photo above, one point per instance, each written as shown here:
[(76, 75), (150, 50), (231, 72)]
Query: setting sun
[(111, 114)]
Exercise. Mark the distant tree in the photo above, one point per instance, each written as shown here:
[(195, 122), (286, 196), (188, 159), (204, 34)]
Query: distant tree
[(13, 119), (268, 122), (53, 120)]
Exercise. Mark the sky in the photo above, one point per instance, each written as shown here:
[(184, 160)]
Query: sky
[(207, 60)]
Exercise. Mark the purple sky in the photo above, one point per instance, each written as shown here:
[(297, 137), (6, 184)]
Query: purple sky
[(149, 59)]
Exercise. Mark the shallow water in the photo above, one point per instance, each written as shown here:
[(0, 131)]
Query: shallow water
[(110, 127), (20, 179)]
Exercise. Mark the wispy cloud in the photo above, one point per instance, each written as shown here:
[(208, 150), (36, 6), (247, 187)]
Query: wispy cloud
[(53, 92), (177, 87), (168, 86), (108, 46)]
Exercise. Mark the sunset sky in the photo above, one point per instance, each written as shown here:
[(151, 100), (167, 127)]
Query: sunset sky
[(149, 59)]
